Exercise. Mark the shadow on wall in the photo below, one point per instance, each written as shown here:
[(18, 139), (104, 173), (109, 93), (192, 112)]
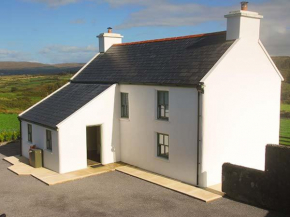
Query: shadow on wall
[(116, 126), (203, 179), (10, 148), (269, 189)]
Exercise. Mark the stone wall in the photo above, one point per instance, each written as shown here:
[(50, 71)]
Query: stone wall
[(269, 189)]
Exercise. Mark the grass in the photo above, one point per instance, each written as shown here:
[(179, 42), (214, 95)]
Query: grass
[(285, 127), (9, 122), (285, 130), (285, 107), (9, 127), (19, 92)]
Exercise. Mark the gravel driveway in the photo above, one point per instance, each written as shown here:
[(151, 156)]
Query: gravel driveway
[(109, 194)]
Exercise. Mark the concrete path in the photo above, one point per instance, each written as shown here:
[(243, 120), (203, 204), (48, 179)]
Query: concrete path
[(21, 167), (174, 185)]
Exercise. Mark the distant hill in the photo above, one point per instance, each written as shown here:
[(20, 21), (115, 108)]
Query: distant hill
[(20, 68), (283, 64)]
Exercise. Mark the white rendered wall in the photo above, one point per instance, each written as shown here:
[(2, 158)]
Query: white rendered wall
[(241, 107), (139, 132), (50, 158), (72, 131)]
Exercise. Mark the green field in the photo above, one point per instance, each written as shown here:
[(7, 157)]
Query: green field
[(285, 107), (19, 92), (8, 122), (285, 127)]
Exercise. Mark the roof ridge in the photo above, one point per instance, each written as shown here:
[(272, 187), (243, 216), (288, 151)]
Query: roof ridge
[(170, 39)]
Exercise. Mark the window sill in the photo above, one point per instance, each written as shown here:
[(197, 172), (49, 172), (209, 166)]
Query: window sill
[(162, 120), (48, 150), (163, 159), (124, 119)]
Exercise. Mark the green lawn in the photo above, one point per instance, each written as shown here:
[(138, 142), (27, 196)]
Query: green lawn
[(285, 127), (285, 107), (9, 122)]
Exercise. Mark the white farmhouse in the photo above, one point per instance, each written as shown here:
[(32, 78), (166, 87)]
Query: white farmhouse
[(179, 107)]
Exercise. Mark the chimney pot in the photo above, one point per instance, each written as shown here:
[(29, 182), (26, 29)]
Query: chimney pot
[(110, 29), (244, 6)]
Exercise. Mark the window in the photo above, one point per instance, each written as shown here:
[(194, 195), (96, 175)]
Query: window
[(162, 105), (124, 105), (163, 145), (29, 130), (48, 140)]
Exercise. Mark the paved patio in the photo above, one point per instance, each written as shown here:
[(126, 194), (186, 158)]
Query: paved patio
[(171, 184), (21, 167), (109, 194)]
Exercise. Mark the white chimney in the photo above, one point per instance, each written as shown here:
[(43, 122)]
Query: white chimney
[(106, 40), (243, 23)]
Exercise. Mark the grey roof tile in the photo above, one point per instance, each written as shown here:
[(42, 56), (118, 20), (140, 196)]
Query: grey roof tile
[(63, 103), (176, 61)]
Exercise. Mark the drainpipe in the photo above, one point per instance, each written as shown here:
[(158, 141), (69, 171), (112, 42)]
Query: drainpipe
[(20, 137), (200, 90)]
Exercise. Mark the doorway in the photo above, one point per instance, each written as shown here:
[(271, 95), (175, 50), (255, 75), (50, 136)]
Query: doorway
[(94, 145)]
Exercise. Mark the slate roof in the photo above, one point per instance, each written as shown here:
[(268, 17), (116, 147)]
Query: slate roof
[(182, 61), (63, 103), (170, 61)]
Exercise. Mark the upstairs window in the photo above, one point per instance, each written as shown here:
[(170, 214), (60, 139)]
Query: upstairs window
[(162, 105), (163, 145), (124, 105), (48, 140), (29, 131)]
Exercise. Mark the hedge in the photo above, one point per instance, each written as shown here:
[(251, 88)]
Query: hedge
[(6, 136)]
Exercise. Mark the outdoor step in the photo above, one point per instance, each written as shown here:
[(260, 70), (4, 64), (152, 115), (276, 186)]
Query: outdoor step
[(190, 190)]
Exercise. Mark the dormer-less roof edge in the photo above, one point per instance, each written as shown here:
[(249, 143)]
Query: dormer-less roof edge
[(171, 38), (37, 123), (137, 83)]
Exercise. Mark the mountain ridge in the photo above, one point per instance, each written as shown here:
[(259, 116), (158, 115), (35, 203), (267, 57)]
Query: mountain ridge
[(20, 68)]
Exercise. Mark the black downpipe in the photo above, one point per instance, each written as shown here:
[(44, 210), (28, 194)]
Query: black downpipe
[(200, 90), (197, 149), (20, 137)]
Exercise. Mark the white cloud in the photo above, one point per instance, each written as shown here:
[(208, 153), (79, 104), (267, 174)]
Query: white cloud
[(78, 21), (55, 3), (11, 55), (66, 54), (275, 32), (275, 27)]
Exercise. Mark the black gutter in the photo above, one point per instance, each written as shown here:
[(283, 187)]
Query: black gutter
[(200, 90), (135, 83), (33, 122)]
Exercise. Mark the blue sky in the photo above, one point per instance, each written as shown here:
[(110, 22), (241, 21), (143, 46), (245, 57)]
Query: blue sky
[(57, 31)]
